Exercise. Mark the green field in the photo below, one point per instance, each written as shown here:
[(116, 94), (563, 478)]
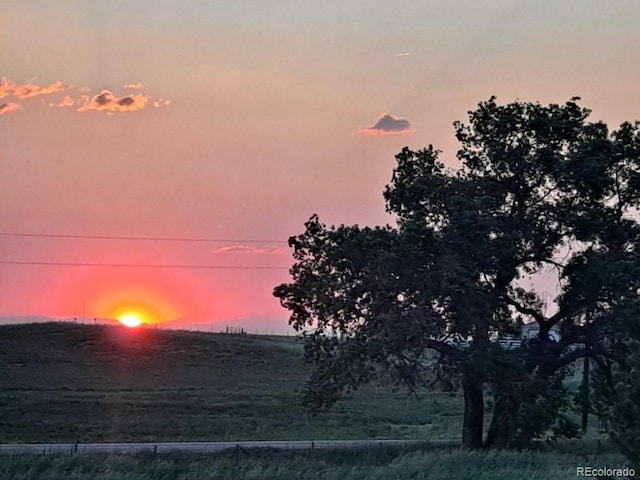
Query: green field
[(66, 383), (373, 464), (77, 383)]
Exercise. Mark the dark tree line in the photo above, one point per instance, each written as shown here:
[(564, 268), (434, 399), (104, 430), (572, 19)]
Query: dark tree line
[(540, 189)]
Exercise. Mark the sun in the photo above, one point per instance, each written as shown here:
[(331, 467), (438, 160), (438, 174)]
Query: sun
[(130, 320), (132, 314)]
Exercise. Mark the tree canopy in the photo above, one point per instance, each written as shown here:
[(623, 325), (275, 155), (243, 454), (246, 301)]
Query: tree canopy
[(541, 191)]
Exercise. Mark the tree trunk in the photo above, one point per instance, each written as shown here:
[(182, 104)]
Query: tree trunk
[(585, 395), (472, 426), (503, 427)]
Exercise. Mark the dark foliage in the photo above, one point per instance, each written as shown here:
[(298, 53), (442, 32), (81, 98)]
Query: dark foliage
[(541, 190), (617, 399)]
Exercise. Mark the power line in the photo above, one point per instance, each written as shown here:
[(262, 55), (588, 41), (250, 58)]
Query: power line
[(142, 265), (152, 239)]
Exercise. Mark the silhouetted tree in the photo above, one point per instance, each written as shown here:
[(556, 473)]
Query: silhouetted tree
[(540, 189)]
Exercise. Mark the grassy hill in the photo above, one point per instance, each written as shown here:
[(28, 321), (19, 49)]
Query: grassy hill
[(66, 382), (62, 382)]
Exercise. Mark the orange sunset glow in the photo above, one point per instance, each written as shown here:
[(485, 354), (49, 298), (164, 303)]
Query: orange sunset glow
[(155, 157), (155, 296)]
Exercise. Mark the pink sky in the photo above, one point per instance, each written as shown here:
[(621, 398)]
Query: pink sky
[(225, 121)]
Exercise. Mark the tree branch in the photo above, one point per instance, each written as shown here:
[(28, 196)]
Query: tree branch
[(441, 347), (534, 258), (591, 352), (526, 310)]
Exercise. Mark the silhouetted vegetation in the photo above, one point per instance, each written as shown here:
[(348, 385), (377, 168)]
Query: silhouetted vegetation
[(540, 189), (617, 388)]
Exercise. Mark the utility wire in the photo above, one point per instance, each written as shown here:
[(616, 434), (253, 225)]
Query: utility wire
[(153, 239), (142, 265)]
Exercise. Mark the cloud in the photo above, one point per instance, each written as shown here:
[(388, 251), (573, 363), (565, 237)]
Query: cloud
[(6, 87), (105, 101), (134, 86), (108, 102), (8, 108), (252, 250), (388, 124), (29, 90), (67, 101)]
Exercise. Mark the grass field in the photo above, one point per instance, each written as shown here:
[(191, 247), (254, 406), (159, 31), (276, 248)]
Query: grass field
[(68, 383), (373, 464)]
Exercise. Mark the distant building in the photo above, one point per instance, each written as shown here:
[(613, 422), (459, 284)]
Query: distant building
[(529, 331), (532, 330)]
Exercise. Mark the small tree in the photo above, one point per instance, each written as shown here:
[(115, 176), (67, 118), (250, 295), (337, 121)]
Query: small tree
[(540, 188)]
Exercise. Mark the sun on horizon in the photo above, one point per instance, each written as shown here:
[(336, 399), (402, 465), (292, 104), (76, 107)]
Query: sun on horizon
[(131, 320)]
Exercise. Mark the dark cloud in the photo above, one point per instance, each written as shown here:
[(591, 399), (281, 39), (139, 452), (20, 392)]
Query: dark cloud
[(388, 124), (107, 101), (126, 101), (104, 98)]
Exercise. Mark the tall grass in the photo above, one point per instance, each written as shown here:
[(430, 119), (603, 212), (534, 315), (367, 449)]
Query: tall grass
[(371, 464)]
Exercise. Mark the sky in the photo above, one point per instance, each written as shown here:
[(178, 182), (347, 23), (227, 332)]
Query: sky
[(234, 122)]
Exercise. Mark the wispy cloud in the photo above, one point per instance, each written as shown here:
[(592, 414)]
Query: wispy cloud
[(8, 108), (244, 249), (6, 87), (29, 90), (66, 101), (161, 103), (388, 124), (134, 86), (108, 102)]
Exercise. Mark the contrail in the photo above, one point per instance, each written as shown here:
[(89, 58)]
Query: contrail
[(403, 54)]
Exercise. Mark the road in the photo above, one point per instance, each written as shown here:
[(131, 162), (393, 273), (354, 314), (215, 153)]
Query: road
[(204, 447)]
